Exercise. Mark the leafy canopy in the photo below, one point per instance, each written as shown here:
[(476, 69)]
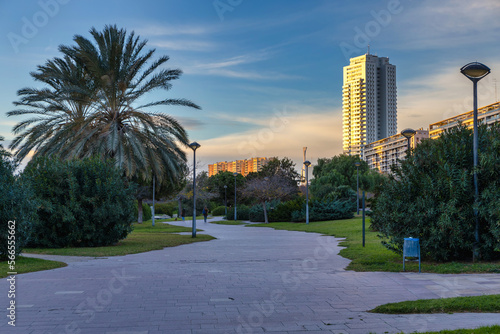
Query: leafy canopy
[(93, 104), (431, 196)]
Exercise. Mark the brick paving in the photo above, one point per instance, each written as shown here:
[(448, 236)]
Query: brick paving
[(249, 280)]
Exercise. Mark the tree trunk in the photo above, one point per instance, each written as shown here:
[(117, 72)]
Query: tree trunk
[(139, 211), (265, 213)]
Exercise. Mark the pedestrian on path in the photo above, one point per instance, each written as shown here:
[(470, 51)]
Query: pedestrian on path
[(205, 213), (183, 214)]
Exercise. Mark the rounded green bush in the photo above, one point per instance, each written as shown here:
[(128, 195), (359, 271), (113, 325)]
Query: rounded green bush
[(82, 203), (219, 211)]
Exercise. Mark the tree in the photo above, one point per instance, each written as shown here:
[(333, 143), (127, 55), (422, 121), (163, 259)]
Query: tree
[(85, 202), (265, 189), (332, 173), (17, 209), (89, 107), (431, 196), (217, 182)]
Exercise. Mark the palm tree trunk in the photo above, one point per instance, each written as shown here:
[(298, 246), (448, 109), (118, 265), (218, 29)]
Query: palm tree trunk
[(139, 210), (265, 212)]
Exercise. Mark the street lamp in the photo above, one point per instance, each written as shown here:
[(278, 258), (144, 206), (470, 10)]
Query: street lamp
[(307, 164), (225, 200), (408, 133), (235, 174), (475, 71), (194, 146), (357, 164)]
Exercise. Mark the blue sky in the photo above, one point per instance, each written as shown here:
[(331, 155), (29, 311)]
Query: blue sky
[(268, 73)]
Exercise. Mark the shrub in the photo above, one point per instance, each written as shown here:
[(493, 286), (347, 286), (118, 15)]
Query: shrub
[(83, 203), (165, 208), (321, 211), (431, 197), (283, 211), (242, 213), (219, 211), (17, 206), (146, 211)]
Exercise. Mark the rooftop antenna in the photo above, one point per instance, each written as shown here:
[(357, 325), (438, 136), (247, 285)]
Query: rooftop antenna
[(368, 49)]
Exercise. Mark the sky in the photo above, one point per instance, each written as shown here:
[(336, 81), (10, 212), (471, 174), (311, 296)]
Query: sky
[(268, 73)]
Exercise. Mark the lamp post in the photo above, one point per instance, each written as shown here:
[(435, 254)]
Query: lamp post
[(194, 146), (154, 186), (408, 133), (357, 164), (225, 200), (235, 174), (307, 164), (475, 71)]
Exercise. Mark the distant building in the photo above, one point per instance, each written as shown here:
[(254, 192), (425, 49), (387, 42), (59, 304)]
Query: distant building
[(369, 102), (486, 115), (243, 167), (384, 153)]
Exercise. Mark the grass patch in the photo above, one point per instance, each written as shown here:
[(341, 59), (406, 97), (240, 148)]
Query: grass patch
[(481, 330), (29, 264), (374, 256), (228, 222), (485, 304), (144, 238)]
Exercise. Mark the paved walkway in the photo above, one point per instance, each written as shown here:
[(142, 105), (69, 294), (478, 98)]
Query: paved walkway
[(249, 280)]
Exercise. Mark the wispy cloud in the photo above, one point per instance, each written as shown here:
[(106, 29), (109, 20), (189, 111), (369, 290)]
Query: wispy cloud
[(297, 126), (183, 45), (173, 30), (446, 24), (441, 94)]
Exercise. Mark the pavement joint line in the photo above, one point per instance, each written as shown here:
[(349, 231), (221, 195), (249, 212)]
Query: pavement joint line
[(67, 292)]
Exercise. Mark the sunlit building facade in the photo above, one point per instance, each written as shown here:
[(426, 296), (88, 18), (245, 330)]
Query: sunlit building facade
[(486, 115), (369, 102), (384, 153), (243, 167)]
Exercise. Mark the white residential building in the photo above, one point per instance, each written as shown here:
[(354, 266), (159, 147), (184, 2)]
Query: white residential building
[(369, 102)]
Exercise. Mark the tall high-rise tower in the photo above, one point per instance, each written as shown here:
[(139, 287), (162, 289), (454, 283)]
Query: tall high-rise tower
[(369, 103)]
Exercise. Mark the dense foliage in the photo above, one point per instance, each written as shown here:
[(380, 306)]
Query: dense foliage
[(340, 171), (242, 212), (277, 211), (147, 214), (17, 209), (219, 211), (431, 196), (92, 102), (83, 202), (324, 210), (165, 208)]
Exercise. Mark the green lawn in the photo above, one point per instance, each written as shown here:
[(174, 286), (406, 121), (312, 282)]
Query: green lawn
[(228, 222), (28, 265), (144, 238), (374, 256), (481, 330), (486, 304)]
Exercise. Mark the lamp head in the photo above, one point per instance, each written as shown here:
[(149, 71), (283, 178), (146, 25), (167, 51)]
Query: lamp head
[(408, 133), (235, 174), (357, 164), (225, 186), (475, 71), (194, 146), (307, 163)]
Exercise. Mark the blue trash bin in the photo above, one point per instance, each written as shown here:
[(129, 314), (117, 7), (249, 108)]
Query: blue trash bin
[(411, 248)]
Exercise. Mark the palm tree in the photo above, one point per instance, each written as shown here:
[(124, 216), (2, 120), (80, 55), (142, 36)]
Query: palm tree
[(89, 107)]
